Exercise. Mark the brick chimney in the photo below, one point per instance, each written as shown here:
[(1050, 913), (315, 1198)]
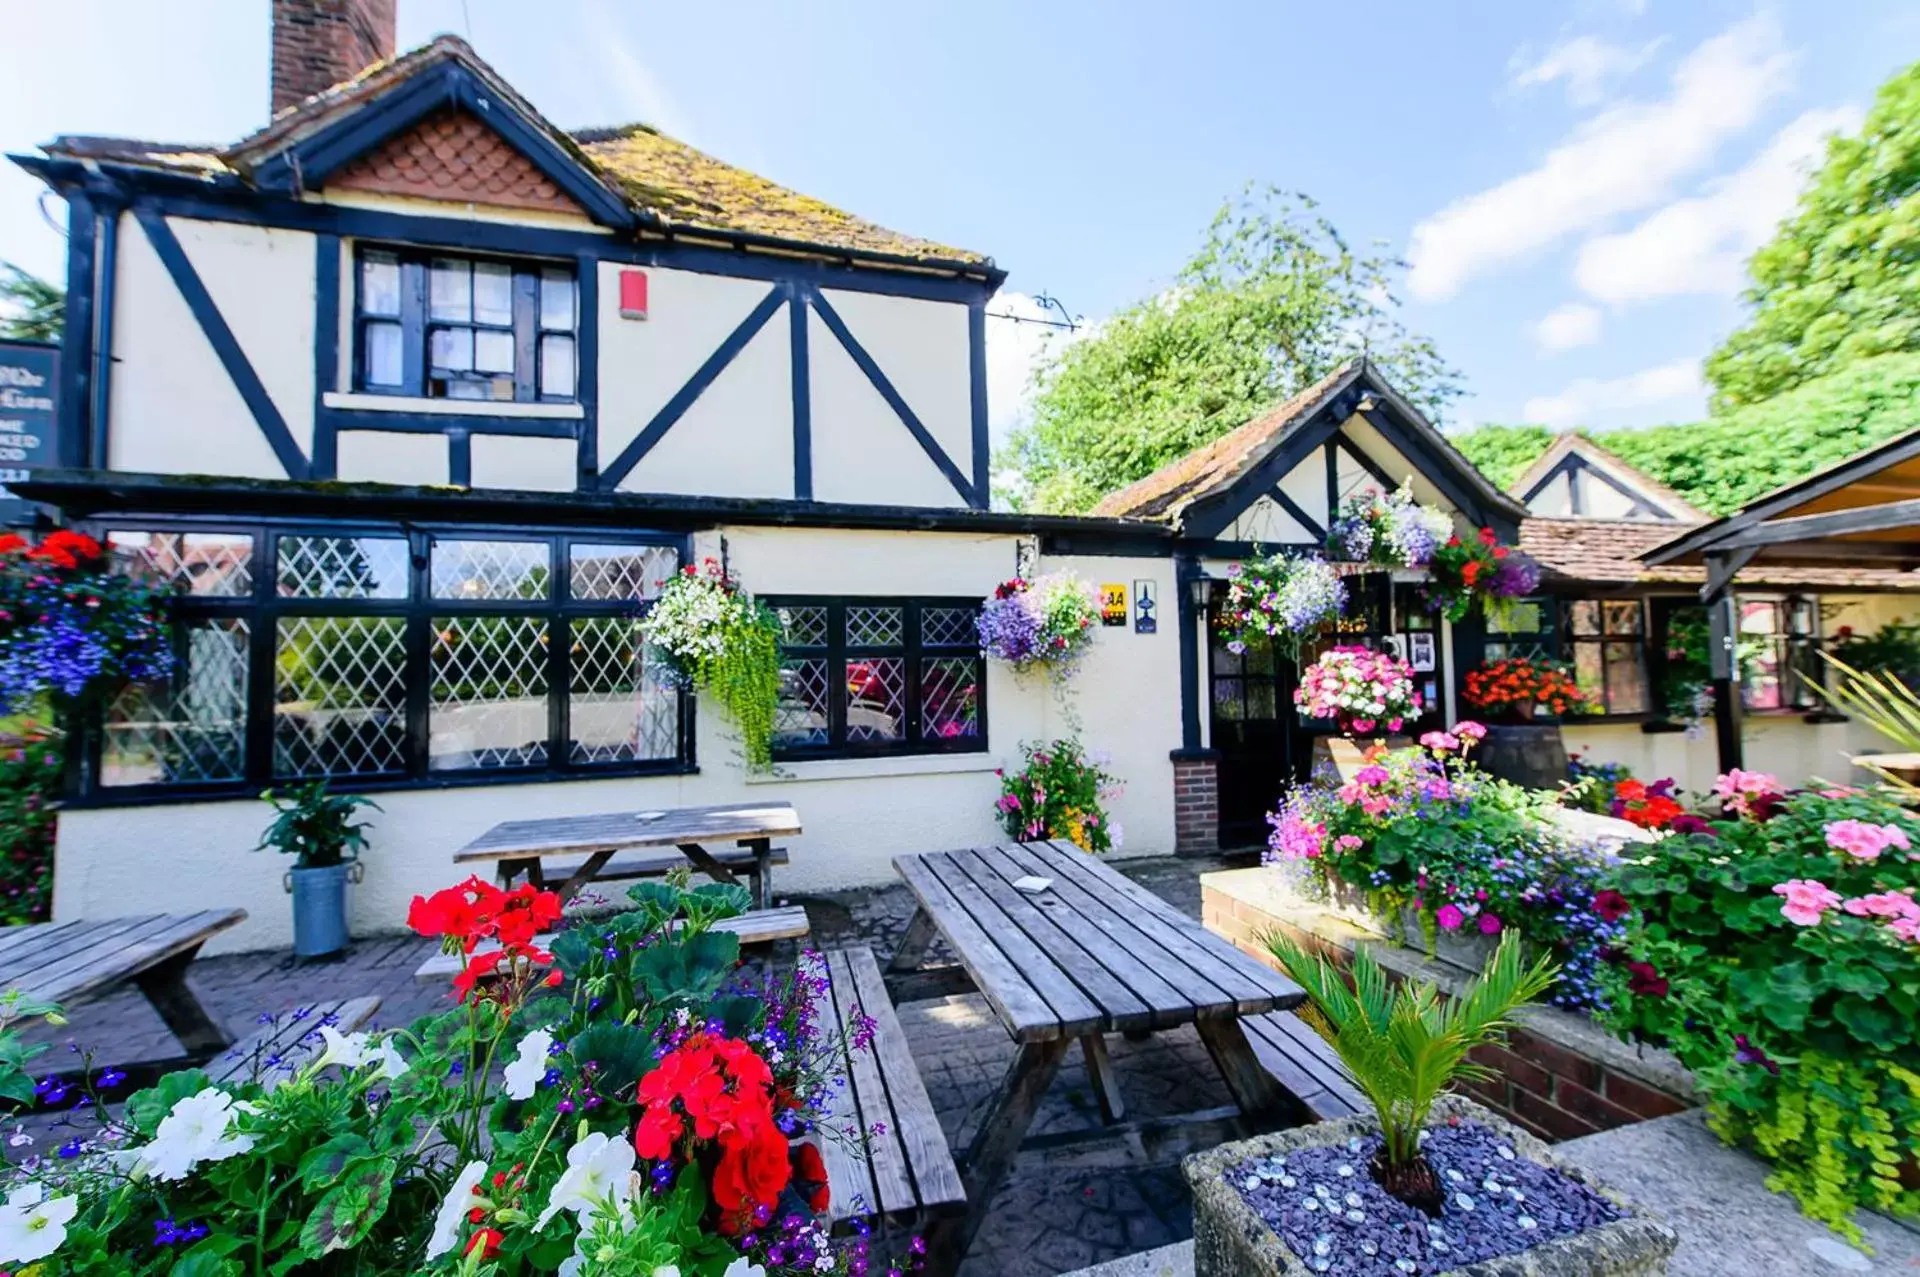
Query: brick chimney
[(319, 43)]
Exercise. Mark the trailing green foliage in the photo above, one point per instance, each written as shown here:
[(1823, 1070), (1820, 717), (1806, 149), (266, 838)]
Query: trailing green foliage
[(1274, 300), (1402, 1042), (1838, 283), (1723, 463), (705, 631)]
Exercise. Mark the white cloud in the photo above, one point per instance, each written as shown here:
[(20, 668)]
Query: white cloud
[(1701, 244), (1588, 64), (1675, 389), (1014, 350), (1571, 325), (1624, 159)]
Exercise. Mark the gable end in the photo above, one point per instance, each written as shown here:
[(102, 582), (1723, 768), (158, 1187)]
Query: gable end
[(451, 155)]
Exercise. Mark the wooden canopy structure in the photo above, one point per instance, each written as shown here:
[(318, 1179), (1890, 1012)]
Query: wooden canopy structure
[(1862, 512)]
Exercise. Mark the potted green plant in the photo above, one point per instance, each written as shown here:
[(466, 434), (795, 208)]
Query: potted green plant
[(318, 830), (1429, 1182)]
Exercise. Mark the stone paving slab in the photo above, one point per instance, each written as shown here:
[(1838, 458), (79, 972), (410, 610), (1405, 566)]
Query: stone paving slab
[(1168, 1261), (1063, 1208)]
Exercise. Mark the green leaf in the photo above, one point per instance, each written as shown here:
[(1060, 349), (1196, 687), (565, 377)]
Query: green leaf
[(199, 1263), (1865, 981), (328, 1162), (1871, 1022), (711, 901), (688, 968), (737, 1015), (146, 1108), (624, 1053), (572, 951), (347, 1212), (16, 1086), (659, 901)]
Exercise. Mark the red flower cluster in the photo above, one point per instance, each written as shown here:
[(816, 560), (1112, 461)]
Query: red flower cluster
[(718, 1091), (62, 549), (1518, 684), (473, 911), (1649, 808)]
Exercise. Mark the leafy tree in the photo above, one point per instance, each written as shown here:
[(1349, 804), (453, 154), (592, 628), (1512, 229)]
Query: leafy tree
[(1841, 280), (1503, 453), (1274, 300), (1726, 461), (37, 308)]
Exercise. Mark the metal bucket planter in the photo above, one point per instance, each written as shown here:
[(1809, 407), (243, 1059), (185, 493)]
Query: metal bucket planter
[(1530, 754), (320, 909), (1233, 1239)]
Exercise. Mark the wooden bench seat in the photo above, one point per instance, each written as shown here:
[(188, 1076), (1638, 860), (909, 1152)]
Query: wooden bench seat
[(655, 863), (281, 1048), (1305, 1064), (756, 926), (908, 1176)]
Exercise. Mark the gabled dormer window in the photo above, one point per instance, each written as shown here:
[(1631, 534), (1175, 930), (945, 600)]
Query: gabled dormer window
[(439, 327)]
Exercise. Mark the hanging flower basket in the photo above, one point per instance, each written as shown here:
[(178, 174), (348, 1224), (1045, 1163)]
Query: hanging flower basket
[(1044, 625), (1481, 572), (71, 629), (1280, 602), (1362, 690), (705, 631), (1391, 531)]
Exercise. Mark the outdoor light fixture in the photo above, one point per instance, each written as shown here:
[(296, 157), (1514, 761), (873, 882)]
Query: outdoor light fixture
[(1200, 588)]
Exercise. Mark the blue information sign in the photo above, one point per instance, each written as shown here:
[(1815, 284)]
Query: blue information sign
[(29, 374)]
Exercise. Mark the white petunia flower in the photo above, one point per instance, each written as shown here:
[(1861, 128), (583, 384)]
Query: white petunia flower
[(453, 1209), (530, 1065), (348, 1050), (193, 1131), (32, 1228), (389, 1059), (597, 1173), (741, 1268)]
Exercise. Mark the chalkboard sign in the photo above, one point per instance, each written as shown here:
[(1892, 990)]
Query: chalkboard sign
[(29, 375)]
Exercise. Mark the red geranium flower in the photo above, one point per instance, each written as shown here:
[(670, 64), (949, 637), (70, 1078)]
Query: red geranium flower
[(810, 1177)]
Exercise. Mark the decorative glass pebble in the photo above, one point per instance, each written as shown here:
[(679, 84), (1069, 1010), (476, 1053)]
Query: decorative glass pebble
[(1526, 1222), (1406, 1265), (1356, 1217), (1288, 1181), (1322, 1192), (1369, 1247), (1344, 1172), (1323, 1245), (1312, 1203), (1353, 1199), (1463, 1201), (1250, 1183)]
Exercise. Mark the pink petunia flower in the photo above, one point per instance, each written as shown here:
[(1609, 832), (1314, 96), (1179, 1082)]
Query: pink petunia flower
[(1449, 917), (1807, 901), (1490, 924)]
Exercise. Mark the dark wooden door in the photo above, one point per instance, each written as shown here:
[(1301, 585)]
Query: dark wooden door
[(1262, 744)]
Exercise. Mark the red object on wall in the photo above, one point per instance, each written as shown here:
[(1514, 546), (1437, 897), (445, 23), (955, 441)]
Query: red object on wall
[(633, 294)]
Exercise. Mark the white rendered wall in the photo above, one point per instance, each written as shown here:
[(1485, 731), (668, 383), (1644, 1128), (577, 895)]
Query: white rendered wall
[(858, 814)]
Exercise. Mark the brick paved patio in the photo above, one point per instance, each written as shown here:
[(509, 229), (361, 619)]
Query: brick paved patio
[(1066, 1205)]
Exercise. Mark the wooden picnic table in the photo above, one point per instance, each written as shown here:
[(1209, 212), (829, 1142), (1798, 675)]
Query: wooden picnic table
[(66, 961), (521, 846), (1094, 953)]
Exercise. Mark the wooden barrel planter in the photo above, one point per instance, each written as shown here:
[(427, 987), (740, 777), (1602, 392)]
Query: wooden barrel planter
[(1530, 754)]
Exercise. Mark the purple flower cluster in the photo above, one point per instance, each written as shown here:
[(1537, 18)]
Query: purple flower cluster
[(1009, 630), (1517, 575)]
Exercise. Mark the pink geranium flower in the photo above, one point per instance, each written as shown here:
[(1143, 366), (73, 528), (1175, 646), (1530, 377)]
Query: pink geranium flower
[(1468, 730), (1373, 774), (1807, 901), (1738, 789), (1864, 841), (1440, 742), (1449, 917)]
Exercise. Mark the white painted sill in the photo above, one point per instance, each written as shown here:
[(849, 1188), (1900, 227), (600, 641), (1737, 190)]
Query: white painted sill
[(451, 407), (870, 768)]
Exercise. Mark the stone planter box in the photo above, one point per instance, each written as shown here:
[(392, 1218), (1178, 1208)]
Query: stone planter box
[(1231, 1240)]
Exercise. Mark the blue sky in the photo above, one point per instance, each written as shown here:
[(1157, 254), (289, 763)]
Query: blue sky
[(1575, 184)]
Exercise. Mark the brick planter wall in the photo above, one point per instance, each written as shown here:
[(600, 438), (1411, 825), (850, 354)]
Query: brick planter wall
[(1560, 1077), (1196, 806)]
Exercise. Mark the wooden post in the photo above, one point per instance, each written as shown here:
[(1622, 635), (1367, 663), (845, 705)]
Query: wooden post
[(1724, 633)]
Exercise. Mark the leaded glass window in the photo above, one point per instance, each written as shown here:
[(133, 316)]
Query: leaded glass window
[(879, 676)]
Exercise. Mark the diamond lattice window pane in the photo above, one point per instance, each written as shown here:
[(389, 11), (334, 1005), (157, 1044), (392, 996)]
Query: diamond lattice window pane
[(209, 564), (876, 699), (190, 729), (801, 717), (621, 712), (340, 700), (612, 572), (489, 698), (950, 627), (803, 625), (343, 568), (869, 626), (949, 697), (491, 570)]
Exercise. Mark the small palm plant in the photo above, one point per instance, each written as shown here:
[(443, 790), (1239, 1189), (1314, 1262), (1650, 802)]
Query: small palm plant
[(1404, 1044)]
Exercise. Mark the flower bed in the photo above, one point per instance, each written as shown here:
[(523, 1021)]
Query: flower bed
[(1775, 950), (1425, 831), (625, 1105)]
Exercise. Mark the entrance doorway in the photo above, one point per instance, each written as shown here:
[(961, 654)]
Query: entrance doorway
[(1263, 743)]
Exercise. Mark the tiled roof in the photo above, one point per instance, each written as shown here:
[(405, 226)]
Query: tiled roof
[(667, 181), (1606, 552), (1163, 494)]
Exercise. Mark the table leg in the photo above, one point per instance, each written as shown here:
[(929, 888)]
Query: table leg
[(589, 870), (762, 870), (914, 944), (165, 985), (991, 1155), (1254, 1090), (706, 864), (1106, 1086)]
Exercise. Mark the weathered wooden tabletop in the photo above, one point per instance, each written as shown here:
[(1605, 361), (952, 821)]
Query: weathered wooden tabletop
[(66, 961), (1094, 953), (630, 830)]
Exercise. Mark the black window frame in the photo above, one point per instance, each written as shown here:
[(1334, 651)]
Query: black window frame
[(1795, 650), (264, 607), (836, 651), (417, 325), (1570, 643)]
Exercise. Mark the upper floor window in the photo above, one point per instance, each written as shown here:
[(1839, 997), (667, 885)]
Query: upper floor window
[(879, 676), (441, 327)]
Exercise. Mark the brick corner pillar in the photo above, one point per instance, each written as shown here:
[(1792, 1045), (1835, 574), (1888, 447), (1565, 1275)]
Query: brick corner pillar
[(1196, 802)]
